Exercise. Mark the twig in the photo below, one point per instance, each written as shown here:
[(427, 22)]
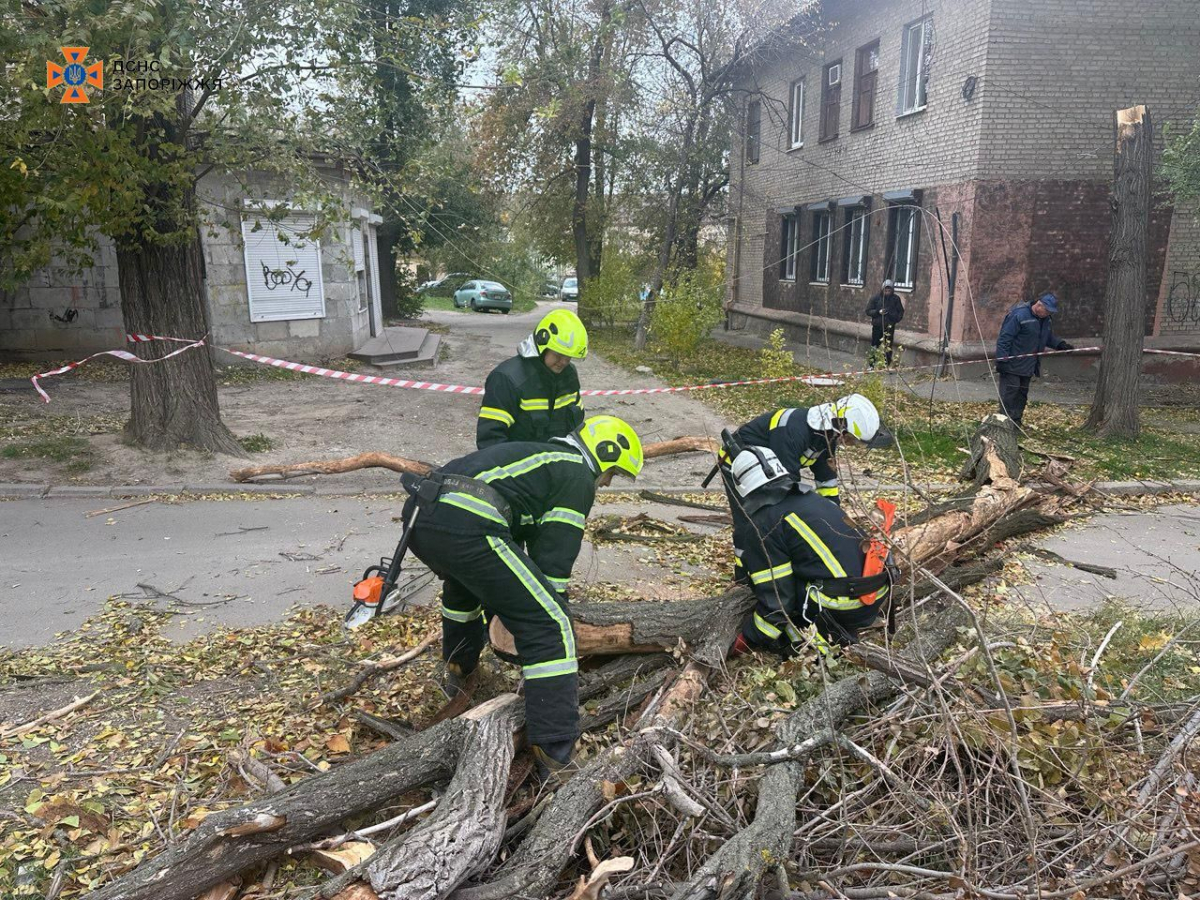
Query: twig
[(331, 843), (672, 787), (242, 529), (763, 758), (372, 669), (1091, 678), (656, 497), (891, 777), (1103, 571), (258, 770), (1161, 653), (113, 509), (78, 703)]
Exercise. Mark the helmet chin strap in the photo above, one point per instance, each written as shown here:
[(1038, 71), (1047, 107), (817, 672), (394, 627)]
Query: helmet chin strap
[(574, 441)]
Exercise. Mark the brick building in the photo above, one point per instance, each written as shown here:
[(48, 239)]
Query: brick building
[(997, 112), (268, 289)]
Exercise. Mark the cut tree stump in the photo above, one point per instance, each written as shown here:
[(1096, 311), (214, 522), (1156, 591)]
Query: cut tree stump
[(376, 460), (998, 433)]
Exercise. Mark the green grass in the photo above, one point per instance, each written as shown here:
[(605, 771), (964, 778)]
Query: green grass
[(74, 452), (932, 439), (257, 443)]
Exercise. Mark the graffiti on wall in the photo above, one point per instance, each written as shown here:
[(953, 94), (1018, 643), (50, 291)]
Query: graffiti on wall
[(273, 278), (1183, 298)]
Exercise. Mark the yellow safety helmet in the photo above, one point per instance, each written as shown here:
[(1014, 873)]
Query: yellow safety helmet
[(612, 442), (563, 332)]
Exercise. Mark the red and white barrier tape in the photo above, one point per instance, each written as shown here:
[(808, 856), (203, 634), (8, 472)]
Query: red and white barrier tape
[(828, 379)]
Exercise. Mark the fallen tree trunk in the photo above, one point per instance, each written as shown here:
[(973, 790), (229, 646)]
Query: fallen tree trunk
[(231, 841), (402, 464)]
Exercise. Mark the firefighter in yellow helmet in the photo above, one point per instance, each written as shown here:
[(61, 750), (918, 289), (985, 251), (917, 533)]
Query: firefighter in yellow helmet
[(534, 396), (476, 514)]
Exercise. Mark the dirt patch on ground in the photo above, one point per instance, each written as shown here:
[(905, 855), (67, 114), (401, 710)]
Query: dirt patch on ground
[(310, 418)]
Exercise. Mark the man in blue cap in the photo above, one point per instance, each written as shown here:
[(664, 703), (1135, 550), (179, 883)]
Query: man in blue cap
[(1026, 330)]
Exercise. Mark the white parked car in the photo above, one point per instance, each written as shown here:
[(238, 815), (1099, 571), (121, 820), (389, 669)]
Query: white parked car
[(569, 290)]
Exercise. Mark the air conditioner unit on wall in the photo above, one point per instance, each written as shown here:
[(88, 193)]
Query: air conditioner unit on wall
[(835, 75)]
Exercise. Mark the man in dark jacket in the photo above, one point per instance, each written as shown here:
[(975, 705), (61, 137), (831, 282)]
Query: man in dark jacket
[(885, 311), (476, 512), (1026, 330), (534, 396)]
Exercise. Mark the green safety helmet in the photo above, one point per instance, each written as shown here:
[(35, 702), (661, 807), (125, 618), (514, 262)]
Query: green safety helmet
[(612, 442), (563, 332)]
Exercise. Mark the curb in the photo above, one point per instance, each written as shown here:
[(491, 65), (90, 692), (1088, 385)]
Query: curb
[(28, 491)]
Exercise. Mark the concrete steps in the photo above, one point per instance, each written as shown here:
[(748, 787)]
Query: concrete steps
[(400, 347)]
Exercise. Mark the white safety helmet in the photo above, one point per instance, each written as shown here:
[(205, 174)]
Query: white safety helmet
[(755, 468), (855, 415)]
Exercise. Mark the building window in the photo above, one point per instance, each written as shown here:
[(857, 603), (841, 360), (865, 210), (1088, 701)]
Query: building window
[(854, 259), (915, 50), (753, 130), (903, 234), (819, 261), (797, 114), (789, 248), (831, 100), (866, 69)]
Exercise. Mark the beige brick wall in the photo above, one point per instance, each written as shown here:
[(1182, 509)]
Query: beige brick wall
[(934, 147), (1057, 70)]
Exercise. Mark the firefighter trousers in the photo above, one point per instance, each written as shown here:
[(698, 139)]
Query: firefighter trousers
[(486, 575)]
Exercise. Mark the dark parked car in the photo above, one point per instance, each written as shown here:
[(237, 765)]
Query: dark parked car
[(480, 295), (444, 286)]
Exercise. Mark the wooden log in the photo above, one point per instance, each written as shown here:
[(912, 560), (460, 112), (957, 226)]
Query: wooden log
[(996, 433), (231, 841), (464, 834), (377, 460)]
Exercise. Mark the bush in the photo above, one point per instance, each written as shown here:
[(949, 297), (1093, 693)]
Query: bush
[(409, 304), (688, 310), (773, 360), (614, 296)]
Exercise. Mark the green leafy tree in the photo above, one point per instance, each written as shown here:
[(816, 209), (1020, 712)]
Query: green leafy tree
[(190, 87), (1181, 162)]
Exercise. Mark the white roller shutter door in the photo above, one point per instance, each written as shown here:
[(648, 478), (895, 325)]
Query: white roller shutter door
[(283, 280)]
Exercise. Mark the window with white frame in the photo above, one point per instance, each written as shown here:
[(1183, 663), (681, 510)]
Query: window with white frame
[(903, 233), (819, 259), (797, 115), (857, 231), (915, 47), (790, 247)]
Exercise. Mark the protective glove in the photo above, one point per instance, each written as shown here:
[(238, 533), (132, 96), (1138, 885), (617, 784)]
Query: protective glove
[(1063, 345)]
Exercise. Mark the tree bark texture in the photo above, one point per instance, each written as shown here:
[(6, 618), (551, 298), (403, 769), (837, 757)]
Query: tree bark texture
[(464, 833), (231, 841), (417, 467), (999, 433), (1118, 390), (172, 403)]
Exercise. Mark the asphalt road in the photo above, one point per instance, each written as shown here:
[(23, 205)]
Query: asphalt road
[(237, 563)]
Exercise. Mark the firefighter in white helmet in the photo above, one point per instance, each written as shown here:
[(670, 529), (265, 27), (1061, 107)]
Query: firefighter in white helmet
[(805, 438)]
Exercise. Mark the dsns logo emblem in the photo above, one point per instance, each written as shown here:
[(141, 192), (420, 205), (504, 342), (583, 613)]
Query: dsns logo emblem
[(74, 75)]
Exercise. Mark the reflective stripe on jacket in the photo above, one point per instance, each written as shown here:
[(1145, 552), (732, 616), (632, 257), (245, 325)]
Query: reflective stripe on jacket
[(524, 401)]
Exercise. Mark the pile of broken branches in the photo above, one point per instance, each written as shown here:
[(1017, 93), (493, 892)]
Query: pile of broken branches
[(906, 776)]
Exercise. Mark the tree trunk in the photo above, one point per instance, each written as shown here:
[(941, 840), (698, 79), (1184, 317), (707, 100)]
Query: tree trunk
[(1115, 406), (172, 403), (998, 433), (387, 237)]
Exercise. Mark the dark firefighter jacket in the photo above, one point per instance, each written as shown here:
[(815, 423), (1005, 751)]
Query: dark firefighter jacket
[(890, 310), (524, 401), (550, 489), (798, 447), (1023, 332), (792, 548)]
